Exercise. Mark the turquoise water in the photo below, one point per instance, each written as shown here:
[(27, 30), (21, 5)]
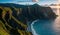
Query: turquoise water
[(46, 27)]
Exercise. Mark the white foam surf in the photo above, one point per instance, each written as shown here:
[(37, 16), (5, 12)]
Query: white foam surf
[(32, 28)]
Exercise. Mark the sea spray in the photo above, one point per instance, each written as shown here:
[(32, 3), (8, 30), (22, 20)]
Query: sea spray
[(32, 28)]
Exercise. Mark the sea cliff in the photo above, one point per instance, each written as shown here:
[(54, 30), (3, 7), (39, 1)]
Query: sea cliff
[(14, 17)]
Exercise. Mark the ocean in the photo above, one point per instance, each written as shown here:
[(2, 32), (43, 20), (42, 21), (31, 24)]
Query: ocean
[(46, 27)]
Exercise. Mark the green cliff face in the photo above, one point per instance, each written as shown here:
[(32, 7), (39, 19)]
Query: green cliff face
[(10, 24), (14, 17)]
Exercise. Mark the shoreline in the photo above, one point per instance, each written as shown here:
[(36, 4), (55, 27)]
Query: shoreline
[(32, 28)]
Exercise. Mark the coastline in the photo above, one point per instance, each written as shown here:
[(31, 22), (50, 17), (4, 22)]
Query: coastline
[(32, 28)]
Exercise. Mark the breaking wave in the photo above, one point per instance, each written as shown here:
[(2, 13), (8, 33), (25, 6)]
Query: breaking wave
[(32, 28)]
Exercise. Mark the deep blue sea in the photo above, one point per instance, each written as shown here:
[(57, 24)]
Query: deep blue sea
[(46, 27)]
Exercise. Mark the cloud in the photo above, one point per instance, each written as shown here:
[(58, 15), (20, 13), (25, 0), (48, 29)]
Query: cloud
[(20, 1)]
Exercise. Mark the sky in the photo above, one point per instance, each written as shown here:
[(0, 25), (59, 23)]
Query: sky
[(24, 1)]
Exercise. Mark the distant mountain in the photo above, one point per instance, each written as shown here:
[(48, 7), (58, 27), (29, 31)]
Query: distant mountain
[(54, 4)]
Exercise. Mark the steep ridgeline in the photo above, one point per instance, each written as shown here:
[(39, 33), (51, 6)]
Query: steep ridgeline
[(14, 17)]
